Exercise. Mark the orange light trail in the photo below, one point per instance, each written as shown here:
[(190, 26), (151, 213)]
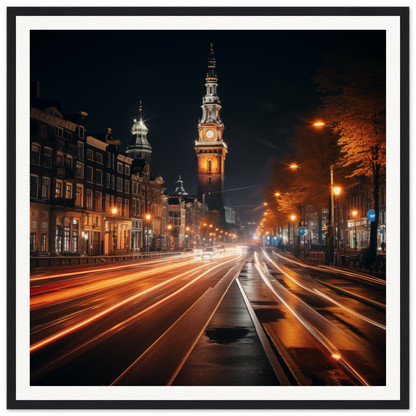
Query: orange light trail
[(39, 300), (106, 311), (34, 279)]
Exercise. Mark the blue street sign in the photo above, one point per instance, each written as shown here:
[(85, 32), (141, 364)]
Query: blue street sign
[(371, 215), (302, 231), (381, 231)]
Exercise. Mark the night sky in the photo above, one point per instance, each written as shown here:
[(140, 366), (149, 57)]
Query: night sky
[(265, 88)]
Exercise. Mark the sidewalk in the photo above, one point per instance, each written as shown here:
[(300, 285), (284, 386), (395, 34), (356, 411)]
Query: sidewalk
[(229, 352)]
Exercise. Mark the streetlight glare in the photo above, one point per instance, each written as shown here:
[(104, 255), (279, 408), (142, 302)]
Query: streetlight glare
[(292, 217), (264, 203), (277, 194), (294, 166), (319, 123), (337, 190), (354, 213), (169, 227), (148, 216), (114, 210)]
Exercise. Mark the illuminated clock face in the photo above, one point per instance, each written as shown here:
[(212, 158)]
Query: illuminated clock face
[(209, 134)]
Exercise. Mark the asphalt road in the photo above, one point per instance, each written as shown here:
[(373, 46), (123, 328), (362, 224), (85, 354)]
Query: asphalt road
[(87, 328), (181, 321)]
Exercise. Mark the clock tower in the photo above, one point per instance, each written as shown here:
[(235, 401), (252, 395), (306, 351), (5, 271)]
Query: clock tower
[(210, 147)]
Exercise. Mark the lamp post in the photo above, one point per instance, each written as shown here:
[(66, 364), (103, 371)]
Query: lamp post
[(337, 191), (114, 212), (186, 236), (169, 235), (354, 214), (147, 217), (293, 217)]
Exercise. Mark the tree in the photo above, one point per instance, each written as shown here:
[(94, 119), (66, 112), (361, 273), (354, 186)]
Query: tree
[(353, 83)]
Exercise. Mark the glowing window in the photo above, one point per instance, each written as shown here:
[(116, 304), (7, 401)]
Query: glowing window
[(209, 165)]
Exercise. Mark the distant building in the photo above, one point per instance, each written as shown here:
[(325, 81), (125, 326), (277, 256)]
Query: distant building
[(185, 217)]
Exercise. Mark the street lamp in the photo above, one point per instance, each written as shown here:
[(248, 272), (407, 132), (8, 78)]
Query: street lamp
[(169, 235), (186, 236), (114, 212), (277, 194), (354, 214), (147, 217), (293, 217), (337, 191)]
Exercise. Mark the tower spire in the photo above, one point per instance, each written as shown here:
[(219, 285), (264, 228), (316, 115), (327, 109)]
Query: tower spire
[(212, 49), (140, 111)]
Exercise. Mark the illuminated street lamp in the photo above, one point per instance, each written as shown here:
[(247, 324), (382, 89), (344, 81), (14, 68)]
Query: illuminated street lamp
[(186, 237), (293, 217), (264, 203), (114, 212), (354, 214), (277, 194), (147, 217), (293, 166), (337, 191), (169, 227)]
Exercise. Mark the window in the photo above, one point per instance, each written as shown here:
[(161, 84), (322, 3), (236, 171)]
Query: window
[(34, 225), (209, 180), (113, 182), (89, 198), (32, 241), (35, 154), (113, 162), (126, 208), (79, 195), (135, 188), (68, 191), (47, 157), (112, 201), (99, 157), (126, 186), (119, 167), (75, 235), (34, 186), (80, 170), (107, 180), (59, 132), (67, 135), (108, 159), (209, 165), (58, 189), (98, 202), (68, 162), (90, 154), (120, 184), (45, 187), (118, 205), (138, 207), (59, 159), (89, 174), (58, 239), (107, 204), (133, 207), (80, 150), (127, 170), (98, 176), (44, 225), (43, 242), (81, 132), (66, 239)]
